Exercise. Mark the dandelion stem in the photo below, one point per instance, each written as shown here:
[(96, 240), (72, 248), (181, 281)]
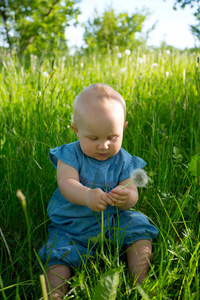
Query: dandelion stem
[(125, 185)]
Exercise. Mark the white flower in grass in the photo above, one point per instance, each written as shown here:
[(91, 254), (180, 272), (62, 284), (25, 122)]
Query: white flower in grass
[(122, 70), (168, 52), (119, 55), (72, 118), (127, 52), (45, 74), (187, 232), (139, 60), (154, 65), (138, 177), (167, 74)]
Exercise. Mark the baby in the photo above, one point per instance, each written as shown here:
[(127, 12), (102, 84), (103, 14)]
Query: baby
[(90, 173)]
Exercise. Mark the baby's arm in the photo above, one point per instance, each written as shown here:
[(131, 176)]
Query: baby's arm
[(76, 193), (126, 198)]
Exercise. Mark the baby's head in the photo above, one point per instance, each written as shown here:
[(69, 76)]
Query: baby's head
[(99, 121)]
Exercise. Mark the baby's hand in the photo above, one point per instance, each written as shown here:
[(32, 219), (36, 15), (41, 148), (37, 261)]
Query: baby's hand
[(97, 200), (119, 197)]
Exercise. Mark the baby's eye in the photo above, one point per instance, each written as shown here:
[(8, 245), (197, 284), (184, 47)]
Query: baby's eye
[(93, 138), (112, 137)]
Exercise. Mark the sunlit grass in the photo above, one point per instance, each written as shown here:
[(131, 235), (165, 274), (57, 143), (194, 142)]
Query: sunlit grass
[(162, 94)]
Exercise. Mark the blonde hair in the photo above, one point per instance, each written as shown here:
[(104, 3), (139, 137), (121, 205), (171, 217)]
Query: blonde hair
[(99, 92)]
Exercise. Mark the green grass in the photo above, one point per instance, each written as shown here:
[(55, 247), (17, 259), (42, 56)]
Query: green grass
[(163, 111)]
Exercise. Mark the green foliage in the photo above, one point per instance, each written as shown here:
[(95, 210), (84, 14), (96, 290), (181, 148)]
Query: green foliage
[(111, 29), (194, 168), (36, 26), (106, 288), (195, 29), (161, 90)]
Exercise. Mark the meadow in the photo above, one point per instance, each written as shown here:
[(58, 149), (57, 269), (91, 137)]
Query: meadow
[(162, 93)]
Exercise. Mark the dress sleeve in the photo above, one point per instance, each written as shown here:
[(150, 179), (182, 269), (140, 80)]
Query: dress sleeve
[(131, 164), (66, 154)]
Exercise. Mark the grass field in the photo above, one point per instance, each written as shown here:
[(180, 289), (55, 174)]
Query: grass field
[(162, 92)]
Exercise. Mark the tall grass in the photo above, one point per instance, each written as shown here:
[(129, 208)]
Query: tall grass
[(163, 110)]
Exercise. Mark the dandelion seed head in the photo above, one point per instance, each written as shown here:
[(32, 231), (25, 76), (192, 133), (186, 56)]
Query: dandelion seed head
[(72, 118), (119, 55), (139, 177), (45, 74), (154, 65), (139, 60), (168, 52), (127, 52), (122, 70)]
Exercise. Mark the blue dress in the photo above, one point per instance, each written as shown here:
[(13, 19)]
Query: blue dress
[(74, 229)]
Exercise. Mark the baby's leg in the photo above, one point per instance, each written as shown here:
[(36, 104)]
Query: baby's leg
[(57, 274), (138, 257)]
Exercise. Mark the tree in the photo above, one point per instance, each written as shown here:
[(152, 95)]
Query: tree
[(183, 3), (34, 26), (195, 29), (110, 30)]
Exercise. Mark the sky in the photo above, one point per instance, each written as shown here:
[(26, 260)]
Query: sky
[(172, 25)]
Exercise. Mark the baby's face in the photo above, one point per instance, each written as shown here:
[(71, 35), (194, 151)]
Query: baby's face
[(100, 129)]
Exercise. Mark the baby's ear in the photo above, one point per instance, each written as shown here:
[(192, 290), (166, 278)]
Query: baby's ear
[(74, 127), (125, 124)]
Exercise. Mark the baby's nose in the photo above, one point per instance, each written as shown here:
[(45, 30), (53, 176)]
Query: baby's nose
[(104, 145)]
